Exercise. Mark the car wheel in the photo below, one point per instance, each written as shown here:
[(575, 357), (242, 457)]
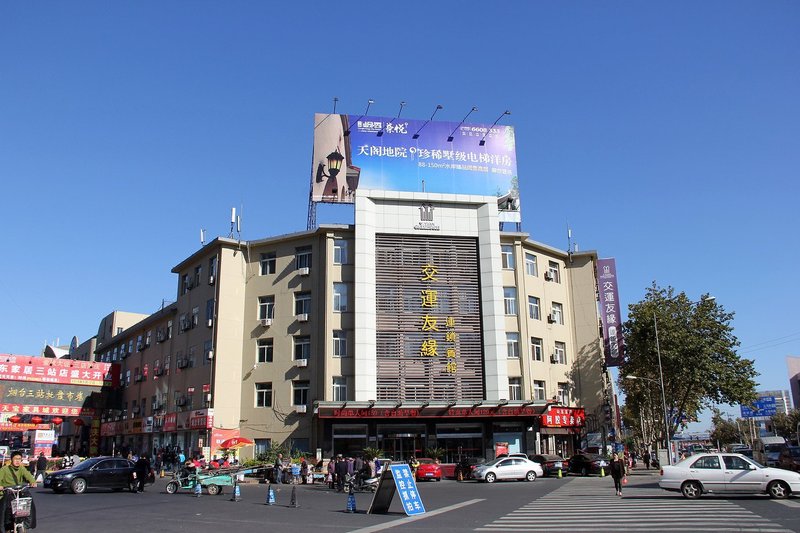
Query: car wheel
[(778, 490), (78, 485), (584, 471), (213, 490), (490, 478), (530, 476), (691, 490), (172, 487)]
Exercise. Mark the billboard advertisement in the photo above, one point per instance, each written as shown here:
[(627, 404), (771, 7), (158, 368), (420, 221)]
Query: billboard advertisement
[(48, 398), (610, 312), (63, 371), (382, 153)]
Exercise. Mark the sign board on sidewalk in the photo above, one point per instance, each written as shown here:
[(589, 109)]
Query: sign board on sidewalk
[(397, 479)]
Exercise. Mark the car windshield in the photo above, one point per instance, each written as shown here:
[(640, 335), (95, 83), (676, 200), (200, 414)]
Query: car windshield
[(795, 451), (88, 463), (425, 461), (774, 447)]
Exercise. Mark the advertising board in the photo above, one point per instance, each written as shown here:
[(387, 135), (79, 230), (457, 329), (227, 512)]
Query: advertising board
[(610, 312), (383, 153)]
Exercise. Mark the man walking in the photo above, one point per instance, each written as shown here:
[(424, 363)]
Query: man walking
[(141, 471), (41, 466)]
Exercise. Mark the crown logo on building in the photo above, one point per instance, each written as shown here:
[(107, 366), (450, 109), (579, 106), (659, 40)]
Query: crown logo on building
[(426, 213)]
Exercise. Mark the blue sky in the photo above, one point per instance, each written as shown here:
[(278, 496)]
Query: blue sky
[(665, 134)]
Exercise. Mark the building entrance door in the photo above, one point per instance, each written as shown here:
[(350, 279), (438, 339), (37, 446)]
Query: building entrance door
[(401, 443)]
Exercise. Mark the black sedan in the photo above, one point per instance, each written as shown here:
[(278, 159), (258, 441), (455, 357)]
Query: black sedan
[(551, 464), (113, 473), (587, 463)]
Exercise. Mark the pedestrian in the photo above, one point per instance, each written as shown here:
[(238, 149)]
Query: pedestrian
[(304, 470), (331, 477), (141, 471), (617, 470), (341, 472), (277, 469), (41, 466), (646, 459)]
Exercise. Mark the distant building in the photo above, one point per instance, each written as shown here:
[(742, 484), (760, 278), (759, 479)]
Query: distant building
[(793, 365)]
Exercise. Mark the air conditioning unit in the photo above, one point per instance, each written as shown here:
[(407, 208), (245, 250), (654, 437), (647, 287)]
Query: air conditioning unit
[(301, 408), (211, 279), (303, 317), (302, 363), (548, 276), (210, 322), (183, 363), (266, 322), (554, 359), (551, 319), (305, 271), (210, 354), (155, 406), (208, 397)]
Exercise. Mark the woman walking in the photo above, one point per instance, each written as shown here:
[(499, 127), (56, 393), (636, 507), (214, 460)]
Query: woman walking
[(617, 469)]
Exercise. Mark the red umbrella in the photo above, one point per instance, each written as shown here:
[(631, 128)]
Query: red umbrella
[(235, 443)]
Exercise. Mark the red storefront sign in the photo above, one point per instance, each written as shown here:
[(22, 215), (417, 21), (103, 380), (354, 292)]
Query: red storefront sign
[(201, 419), (452, 412), (563, 417), (62, 371), (171, 422), (45, 409), (21, 426)]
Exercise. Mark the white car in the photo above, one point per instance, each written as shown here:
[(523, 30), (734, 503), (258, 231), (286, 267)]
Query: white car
[(508, 468), (727, 473)]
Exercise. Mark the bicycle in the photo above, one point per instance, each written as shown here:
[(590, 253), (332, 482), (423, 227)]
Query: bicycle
[(20, 507)]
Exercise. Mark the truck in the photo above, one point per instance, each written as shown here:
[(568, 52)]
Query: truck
[(767, 450)]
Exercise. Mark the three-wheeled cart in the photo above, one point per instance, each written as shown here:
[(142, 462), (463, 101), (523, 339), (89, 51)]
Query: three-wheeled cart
[(211, 480)]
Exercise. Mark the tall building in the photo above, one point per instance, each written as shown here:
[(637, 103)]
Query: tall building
[(793, 366), (420, 326)]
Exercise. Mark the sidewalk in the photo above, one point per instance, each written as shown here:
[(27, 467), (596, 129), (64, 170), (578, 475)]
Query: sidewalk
[(640, 470)]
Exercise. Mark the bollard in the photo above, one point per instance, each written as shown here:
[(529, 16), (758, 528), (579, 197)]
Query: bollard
[(293, 500), (198, 489), (237, 493), (270, 495), (602, 472), (559, 473), (351, 501)]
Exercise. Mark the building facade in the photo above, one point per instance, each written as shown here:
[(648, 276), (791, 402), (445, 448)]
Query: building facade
[(420, 326)]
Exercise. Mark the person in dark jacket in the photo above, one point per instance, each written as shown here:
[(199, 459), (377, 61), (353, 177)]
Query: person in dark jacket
[(617, 470), (41, 466), (142, 470), (341, 472)]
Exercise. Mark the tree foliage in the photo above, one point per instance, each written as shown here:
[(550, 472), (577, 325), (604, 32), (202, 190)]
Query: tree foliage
[(725, 431), (698, 355), (785, 425)]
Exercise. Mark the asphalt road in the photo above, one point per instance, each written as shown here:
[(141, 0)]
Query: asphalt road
[(570, 504)]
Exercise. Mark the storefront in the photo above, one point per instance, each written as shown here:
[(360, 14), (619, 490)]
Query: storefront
[(560, 429), (470, 431)]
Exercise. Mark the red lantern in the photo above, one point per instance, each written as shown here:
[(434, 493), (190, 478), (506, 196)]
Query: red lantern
[(57, 420), (36, 419), (15, 419), (78, 422)]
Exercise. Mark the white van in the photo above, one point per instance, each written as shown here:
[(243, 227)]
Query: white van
[(767, 450)]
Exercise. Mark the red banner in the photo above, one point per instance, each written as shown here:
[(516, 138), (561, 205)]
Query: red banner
[(45, 410), (63, 371), (563, 417), (21, 426)]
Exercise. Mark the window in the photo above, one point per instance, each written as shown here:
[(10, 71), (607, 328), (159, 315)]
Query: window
[(507, 255), (139, 344), (339, 389), (558, 313), (512, 345), (539, 392), (531, 268), (340, 297), (514, 388), (195, 316), (130, 346), (510, 300), (198, 273), (709, 462), (339, 252), (302, 257), (263, 446), (263, 394), (265, 350), (210, 309), (119, 330), (560, 353), (212, 266), (302, 303), (735, 463), (302, 347), (169, 329), (300, 393), (267, 263), (553, 271), (266, 307), (207, 347), (148, 337), (185, 284), (339, 343), (114, 354), (563, 393), (534, 310), (536, 349)]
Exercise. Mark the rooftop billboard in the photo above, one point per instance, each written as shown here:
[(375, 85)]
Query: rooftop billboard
[(383, 153)]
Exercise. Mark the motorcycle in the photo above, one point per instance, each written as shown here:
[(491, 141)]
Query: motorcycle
[(20, 509), (359, 483)]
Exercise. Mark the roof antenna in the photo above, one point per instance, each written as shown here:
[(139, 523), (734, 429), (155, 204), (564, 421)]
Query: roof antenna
[(569, 242), (202, 237), (233, 222)]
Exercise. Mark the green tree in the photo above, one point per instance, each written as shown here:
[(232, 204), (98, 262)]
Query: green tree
[(785, 425), (698, 355), (724, 431)]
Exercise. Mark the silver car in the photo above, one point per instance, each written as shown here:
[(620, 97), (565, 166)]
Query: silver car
[(727, 473), (508, 468)]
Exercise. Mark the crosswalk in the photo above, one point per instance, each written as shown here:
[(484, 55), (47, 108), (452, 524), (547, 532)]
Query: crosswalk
[(585, 504)]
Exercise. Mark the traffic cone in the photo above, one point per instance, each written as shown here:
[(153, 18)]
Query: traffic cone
[(293, 500), (270, 495), (162, 472), (237, 493), (602, 472), (559, 473), (351, 501), (198, 489)]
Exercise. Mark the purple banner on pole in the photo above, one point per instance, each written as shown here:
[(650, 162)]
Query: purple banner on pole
[(610, 311)]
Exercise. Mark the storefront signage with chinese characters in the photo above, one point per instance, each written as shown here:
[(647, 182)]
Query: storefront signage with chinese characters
[(63, 371), (430, 412), (610, 312), (563, 417)]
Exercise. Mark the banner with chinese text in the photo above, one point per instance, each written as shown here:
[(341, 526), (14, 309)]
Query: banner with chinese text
[(610, 312)]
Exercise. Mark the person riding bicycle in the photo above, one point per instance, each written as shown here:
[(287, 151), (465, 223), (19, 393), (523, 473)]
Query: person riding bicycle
[(11, 475)]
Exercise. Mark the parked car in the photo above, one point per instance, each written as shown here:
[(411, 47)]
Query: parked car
[(790, 458), (113, 473), (508, 468), (428, 469), (727, 473), (587, 463), (551, 464)]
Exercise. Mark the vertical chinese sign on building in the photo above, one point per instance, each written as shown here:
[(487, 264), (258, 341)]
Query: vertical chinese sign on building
[(428, 318), (610, 312)]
